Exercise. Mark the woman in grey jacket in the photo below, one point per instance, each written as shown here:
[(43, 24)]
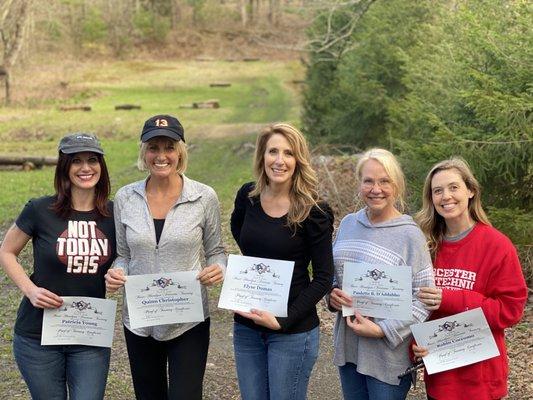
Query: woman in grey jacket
[(371, 352), (167, 223)]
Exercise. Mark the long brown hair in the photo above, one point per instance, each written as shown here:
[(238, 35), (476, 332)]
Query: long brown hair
[(303, 193), (62, 206), (431, 222)]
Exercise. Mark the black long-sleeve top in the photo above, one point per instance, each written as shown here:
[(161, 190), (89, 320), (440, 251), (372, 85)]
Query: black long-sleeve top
[(260, 235)]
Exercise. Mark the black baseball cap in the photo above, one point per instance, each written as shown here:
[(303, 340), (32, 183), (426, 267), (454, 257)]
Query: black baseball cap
[(78, 143), (162, 125)]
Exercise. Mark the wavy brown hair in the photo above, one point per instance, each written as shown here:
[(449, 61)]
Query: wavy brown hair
[(303, 193), (431, 222), (62, 205)]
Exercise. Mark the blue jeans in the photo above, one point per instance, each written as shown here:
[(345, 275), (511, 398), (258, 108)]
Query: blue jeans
[(49, 370), (356, 386), (274, 366)]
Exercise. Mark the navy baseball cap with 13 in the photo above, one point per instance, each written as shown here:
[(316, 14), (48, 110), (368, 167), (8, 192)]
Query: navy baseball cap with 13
[(78, 143), (162, 125)]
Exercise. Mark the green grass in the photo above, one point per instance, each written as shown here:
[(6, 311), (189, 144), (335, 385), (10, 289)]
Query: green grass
[(259, 94)]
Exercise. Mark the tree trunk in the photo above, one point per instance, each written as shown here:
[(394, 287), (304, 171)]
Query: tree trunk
[(175, 13), (251, 11), (273, 11), (7, 80), (244, 14), (13, 41)]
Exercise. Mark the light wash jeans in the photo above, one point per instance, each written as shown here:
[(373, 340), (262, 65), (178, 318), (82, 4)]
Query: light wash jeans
[(274, 366), (357, 386), (50, 370)]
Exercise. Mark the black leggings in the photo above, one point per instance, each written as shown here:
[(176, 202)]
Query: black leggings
[(186, 356)]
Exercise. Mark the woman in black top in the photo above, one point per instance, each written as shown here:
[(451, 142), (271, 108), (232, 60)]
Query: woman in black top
[(73, 237), (279, 217)]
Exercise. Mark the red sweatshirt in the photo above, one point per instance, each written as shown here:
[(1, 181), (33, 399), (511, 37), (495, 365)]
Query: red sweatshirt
[(480, 270)]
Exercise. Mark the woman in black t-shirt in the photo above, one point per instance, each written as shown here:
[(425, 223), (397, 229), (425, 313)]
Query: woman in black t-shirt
[(73, 238), (279, 217)]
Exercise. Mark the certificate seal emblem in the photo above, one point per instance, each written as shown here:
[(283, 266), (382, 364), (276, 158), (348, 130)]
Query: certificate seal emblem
[(260, 269)]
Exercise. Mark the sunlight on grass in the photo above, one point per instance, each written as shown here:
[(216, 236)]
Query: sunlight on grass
[(260, 92)]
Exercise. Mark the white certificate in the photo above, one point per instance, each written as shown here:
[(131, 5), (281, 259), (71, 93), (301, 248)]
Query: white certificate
[(80, 320), (381, 291), (455, 341), (258, 283), (164, 298)]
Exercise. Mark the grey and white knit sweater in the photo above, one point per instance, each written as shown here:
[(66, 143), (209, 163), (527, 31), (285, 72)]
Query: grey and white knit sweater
[(395, 242)]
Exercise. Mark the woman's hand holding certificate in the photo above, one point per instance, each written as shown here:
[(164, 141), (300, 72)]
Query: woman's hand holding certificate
[(80, 320), (455, 341), (256, 284), (381, 291), (164, 298)]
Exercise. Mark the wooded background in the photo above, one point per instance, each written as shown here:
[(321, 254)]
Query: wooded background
[(427, 79)]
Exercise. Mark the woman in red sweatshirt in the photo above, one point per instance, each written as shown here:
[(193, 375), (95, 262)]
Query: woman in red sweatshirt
[(475, 265)]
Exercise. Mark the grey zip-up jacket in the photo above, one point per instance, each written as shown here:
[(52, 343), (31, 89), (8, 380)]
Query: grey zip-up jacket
[(190, 240)]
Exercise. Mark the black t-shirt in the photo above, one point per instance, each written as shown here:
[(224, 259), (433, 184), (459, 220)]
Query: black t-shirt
[(71, 256), (260, 235)]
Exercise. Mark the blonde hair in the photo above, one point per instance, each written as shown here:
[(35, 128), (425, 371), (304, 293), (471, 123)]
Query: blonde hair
[(432, 224), (181, 148), (303, 193), (392, 168)]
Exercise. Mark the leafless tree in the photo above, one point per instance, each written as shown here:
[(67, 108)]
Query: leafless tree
[(14, 19), (175, 13), (328, 43), (273, 11)]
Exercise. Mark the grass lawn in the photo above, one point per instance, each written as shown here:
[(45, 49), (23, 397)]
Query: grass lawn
[(260, 93)]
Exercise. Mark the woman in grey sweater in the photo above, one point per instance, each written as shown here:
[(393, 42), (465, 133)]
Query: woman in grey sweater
[(371, 352), (167, 223)]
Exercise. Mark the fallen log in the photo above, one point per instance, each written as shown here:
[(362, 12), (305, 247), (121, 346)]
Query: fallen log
[(75, 108), (127, 107), (206, 104), (250, 59), (220, 84), (28, 162)]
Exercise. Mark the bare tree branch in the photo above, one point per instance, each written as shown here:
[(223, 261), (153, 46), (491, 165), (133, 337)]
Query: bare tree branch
[(333, 43)]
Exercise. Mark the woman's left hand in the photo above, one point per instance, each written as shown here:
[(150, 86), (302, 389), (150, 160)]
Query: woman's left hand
[(431, 297), (263, 318), (363, 326), (211, 275), (419, 352)]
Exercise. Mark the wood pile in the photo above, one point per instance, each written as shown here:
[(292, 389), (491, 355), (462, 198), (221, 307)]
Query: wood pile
[(127, 107), (28, 162), (75, 108)]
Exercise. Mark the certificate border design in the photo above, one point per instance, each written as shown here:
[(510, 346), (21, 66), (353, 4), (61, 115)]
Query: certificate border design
[(448, 327), (375, 275), (162, 283), (260, 269), (81, 306)]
